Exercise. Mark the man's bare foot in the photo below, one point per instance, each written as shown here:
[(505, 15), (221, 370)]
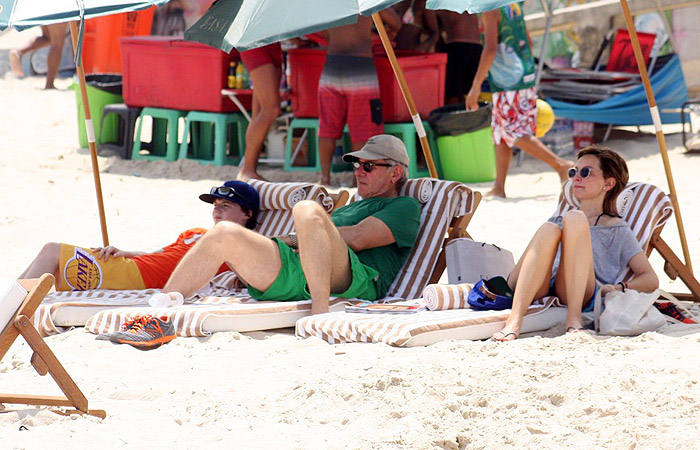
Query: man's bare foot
[(246, 176), (16, 63), (325, 182), (496, 193), (47, 87)]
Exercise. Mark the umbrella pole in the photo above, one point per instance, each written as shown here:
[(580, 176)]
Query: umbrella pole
[(654, 110), (90, 130), (406, 94)]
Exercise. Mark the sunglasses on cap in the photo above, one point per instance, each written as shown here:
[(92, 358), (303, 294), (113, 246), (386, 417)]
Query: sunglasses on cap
[(585, 172), (226, 191), (368, 166)]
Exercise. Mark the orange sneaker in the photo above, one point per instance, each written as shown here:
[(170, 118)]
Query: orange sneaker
[(145, 332)]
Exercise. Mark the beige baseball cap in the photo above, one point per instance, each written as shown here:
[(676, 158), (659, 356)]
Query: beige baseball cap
[(381, 146)]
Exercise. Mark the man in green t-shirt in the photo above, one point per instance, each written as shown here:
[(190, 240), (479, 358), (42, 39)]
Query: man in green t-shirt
[(356, 252)]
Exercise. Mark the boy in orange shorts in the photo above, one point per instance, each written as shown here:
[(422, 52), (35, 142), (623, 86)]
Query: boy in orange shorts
[(79, 269)]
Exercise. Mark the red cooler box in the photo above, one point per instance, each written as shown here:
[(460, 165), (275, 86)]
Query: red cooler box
[(424, 73), (166, 72)]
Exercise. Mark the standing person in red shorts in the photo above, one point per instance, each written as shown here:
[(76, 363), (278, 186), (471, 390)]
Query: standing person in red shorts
[(348, 92), (507, 60), (264, 65)]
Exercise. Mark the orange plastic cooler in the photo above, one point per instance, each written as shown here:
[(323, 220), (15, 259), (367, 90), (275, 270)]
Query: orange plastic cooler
[(424, 73), (101, 51)]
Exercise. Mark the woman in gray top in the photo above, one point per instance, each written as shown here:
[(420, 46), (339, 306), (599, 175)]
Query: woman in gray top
[(585, 250)]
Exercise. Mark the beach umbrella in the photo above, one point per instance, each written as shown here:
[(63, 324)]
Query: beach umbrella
[(246, 24), (22, 14)]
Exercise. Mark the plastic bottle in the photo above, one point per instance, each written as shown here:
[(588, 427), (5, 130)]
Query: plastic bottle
[(163, 300), (240, 76), (231, 81)]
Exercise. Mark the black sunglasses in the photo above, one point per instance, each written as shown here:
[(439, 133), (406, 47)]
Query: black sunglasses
[(368, 166), (585, 172), (226, 191)]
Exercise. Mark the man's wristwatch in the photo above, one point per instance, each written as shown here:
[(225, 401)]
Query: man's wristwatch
[(293, 240)]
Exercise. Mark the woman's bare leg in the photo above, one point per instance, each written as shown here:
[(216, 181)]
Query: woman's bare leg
[(503, 156), (266, 108), (575, 279), (56, 34), (530, 278)]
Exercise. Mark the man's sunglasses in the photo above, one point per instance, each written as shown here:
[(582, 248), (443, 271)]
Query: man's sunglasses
[(585, 172), (368, 166), (226, 191)]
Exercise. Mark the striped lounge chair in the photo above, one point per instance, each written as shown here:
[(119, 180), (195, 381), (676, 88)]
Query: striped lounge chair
[(447, 208), (62, 310), (645, 207)]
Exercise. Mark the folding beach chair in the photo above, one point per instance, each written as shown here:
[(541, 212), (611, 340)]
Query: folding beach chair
[(643, 206), (62, 310), (646, 209), (43, 359)]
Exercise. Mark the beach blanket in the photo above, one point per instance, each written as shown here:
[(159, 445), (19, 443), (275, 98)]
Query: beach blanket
[(425, 327)]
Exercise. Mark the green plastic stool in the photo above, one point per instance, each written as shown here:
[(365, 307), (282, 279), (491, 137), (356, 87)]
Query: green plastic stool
[(406, 131), (310, 126), (164, 135), (209, 133)]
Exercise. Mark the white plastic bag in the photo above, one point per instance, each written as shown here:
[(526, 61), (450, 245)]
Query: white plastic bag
[(469, 261), (628, 313)]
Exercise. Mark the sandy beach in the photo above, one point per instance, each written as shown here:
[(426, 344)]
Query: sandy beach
[(268, 390)]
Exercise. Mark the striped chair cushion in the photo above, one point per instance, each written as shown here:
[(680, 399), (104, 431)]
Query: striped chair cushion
[(274, 218), (425, 327), (441, 201)]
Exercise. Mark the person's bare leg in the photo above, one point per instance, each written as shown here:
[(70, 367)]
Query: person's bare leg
[(57, 34), (45, 262), (575, 279), (35, 44), (326, 147), (534, 147), (503, 155), (266, 108), (530, 278), (253, 256), (323, 254)]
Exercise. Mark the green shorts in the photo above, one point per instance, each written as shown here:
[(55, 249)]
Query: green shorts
[(290, 284)]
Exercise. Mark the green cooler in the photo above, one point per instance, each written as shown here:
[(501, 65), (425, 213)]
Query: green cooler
[(102, 89), (465, 142)]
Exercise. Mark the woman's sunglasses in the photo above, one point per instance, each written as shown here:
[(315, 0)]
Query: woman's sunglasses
[(368, 166), (585, 172)]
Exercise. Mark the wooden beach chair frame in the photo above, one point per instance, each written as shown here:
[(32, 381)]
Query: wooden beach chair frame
[(43, 359)]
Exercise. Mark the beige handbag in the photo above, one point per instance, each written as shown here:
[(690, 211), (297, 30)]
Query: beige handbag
[(628, 313)]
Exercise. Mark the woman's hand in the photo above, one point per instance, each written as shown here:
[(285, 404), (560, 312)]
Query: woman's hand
[(606, 288)]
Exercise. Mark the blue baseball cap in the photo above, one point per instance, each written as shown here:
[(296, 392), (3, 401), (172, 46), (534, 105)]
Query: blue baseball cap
[(235, 191)]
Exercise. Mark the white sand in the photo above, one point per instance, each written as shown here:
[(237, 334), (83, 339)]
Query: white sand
[(271, 390)]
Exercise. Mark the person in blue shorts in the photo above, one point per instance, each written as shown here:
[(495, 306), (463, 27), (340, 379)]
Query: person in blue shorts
[(355, 253)]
